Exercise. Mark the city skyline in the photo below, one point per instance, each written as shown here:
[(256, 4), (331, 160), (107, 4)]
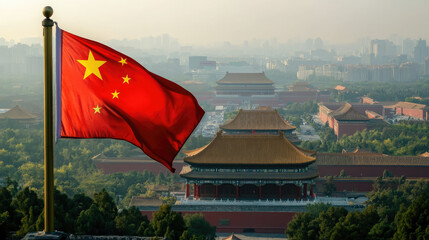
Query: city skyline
[(205, 23)]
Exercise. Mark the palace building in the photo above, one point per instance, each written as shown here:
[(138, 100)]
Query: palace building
[(250, 167), (347, 119), (245, 84), (259, 121), (17, 117)]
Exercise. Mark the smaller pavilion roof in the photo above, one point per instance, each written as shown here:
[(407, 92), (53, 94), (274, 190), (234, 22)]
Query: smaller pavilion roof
[(348, 113), (340, 88), (232, 237), (425, 154), (264, 119), (245, 78), (249, 149), (18, 114)]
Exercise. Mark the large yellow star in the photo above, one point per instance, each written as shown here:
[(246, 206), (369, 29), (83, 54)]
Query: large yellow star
[(123, 61), (96, 109), (126, 79), (92, 66), (115, 94)]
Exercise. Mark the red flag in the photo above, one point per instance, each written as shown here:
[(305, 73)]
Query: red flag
[(106, 94)]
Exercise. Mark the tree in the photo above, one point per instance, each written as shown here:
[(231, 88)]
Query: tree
[(197, 226), (356, 225), (317, 208), (108, 210), (413, 222), (28, 207), (129, 220), (342, 173), (8, 220), (328, 219), (167, 223), (64, 217), (329, 186), (302, 227), (91, 221)]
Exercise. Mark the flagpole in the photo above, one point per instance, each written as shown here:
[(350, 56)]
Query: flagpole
[(47, 24)]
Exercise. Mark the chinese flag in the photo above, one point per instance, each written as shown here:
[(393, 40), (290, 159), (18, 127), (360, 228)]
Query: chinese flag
[(103, 93)]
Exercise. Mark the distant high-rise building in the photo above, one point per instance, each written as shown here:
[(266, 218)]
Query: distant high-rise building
[(318, 43), (420, 51), (407, 46), (381, 51), (426, 66)]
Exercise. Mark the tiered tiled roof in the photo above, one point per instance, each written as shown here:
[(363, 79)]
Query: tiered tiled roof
[(18, 114), (257, 120), (261, 150), (348, 113), (245, 78)]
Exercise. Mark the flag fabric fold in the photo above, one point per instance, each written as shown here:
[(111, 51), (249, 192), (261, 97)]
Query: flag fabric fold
[(103, 93)]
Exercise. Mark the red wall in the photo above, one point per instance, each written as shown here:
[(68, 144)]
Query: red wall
[(417, 113), (323, 117), (348, 128), (261, 222)]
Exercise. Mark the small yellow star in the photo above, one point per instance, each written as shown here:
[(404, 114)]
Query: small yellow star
[(92, 66), (97, 109), (115, 95), (126, 79), (123, 61)]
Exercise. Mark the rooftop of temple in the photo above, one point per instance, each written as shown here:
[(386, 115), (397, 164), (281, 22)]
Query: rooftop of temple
[(348, 113), (18, 114), (249, 149), (245, 78), (302, 87), (260, 119)]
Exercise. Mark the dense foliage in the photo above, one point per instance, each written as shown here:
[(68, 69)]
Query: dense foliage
[(396, 209), (21, 157), (405, 138), (82, 215), (388, 91)]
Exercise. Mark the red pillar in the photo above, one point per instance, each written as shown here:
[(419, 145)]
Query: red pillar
[(311, 191), (299, 192), (187, 191), (280, 192), (217, 192), (260, 192), (236, 192), (198, 191), (305, 191)]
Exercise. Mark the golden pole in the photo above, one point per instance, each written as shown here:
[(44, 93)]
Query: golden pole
[(48, 120)]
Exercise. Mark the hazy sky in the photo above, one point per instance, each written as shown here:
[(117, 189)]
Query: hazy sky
[(204, 22)]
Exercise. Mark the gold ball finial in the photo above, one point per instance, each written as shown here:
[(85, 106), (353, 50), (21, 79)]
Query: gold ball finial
[(48, 11)]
